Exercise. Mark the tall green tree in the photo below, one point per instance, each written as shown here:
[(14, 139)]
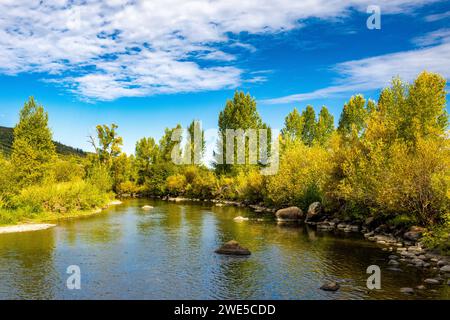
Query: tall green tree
[(325, 126), (239, 113), (309, 127), (427, 106), (109, 143), (167, 144), (33, 149), (196, 148), (147, 154), (293, 126), (353, 116)]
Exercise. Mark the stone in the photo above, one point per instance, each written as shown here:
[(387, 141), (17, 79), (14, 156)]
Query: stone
[(315, 211), (414, 233), (233, 248), (393, 257), (445, 268), (441, 263), (421, 287), (431, 281), (289, 214), (422, 257), (330, 286), (147, 207), (393, 262), (240, 219), (407, 290)]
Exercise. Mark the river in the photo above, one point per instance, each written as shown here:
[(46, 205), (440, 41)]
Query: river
[(168, 253)]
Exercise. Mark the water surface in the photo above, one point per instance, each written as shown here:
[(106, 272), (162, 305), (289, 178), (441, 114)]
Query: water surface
[(168, 253)]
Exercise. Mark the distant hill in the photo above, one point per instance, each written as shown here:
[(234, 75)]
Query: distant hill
[(7, 138)]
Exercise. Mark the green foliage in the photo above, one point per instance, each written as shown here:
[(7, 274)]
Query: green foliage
[(353, 116), (33, 149), (438, 236), (301, 177), (61, 197), (293, 126), (240, 113), (324, 127), (7, 139), (309, 125)]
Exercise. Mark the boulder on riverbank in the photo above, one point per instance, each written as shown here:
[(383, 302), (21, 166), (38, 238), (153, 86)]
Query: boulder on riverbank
[(289, 214), (330, 286), (414, 234), (233, 248), (315, 211)]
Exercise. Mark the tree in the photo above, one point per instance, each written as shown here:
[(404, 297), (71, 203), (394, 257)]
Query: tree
[(325, 126), (353, 116), (147, 154), (293, 126), (196, 145), (309, 127), (167, 145), (240, 113), (427, 106), (33, 149), (109, 143)]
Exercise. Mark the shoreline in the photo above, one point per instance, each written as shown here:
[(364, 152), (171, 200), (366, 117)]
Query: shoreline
[(43, 222)]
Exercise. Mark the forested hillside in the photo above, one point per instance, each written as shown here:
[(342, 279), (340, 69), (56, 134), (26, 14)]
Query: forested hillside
[(6, 141)]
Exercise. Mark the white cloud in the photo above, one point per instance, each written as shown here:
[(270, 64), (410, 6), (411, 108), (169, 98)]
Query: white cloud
[(437, 16), (115, 48), (377, 72), (434, 37)]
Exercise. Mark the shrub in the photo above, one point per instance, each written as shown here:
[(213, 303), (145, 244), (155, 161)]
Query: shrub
[(176, 184), (61, 197), (301, 177)]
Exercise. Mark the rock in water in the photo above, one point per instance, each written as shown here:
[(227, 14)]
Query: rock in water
[(289, 214), (240, 218), (431, 281), (315, 211), (147, 207), (407, 290), (233, 248), (330, 286)]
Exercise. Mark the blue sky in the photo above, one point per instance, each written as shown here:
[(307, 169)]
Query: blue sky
[(150, 65)]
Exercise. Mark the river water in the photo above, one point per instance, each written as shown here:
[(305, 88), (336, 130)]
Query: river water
[(168, 253)]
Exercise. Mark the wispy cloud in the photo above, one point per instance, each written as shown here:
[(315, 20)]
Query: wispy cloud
[(437, 16), (116, 48), (376, 72)]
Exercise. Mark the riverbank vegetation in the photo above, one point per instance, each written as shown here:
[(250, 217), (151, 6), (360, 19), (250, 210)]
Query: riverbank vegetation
[(387, 160)]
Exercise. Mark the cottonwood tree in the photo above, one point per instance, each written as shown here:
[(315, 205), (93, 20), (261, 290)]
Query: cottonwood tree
[(33, 149)]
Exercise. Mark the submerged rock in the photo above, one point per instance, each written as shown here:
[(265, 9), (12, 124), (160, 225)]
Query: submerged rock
[(289, 214), (233, 248), (330, 286), (147, 207)]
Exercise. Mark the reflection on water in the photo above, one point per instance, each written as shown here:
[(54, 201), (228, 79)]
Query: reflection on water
[(168, 253)]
